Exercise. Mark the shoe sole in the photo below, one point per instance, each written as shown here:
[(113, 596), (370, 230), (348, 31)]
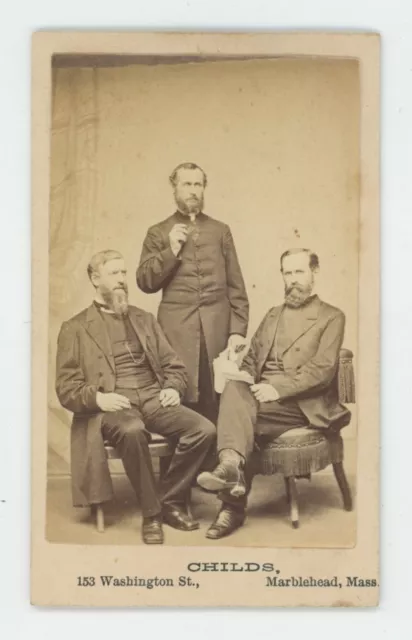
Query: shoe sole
[(225, 534), (209, 482), (192, 528), (153, 541)]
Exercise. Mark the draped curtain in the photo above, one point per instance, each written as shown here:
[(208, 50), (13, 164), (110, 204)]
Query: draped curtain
[(290, 175), (72, 212)]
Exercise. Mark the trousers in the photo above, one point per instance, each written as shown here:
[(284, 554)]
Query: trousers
[(243, 422), (129, 431), (207, 404)]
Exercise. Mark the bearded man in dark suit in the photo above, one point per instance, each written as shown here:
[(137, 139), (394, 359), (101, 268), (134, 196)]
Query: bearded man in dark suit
[(192, 259), (290, 376), (122, 380)]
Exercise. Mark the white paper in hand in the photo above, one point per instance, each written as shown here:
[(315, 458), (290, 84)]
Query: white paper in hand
[(225, 369)]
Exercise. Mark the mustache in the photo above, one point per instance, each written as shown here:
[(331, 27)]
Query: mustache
[(295, 287)]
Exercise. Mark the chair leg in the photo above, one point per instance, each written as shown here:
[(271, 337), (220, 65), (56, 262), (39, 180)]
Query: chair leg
[(343, 485), (97, 511), (292, 494)]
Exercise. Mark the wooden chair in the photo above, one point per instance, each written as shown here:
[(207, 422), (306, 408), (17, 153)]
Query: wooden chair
[(300, 452), (159, 448)]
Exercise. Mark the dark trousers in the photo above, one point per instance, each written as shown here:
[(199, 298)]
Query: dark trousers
[(207, 404), (243, 422), (129, 431)]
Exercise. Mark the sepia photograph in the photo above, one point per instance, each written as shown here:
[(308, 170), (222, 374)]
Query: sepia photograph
[(202, 308)]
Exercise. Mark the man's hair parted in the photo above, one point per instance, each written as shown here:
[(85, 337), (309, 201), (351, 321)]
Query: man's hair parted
[(100, 258), (186, 165), (313, 257)]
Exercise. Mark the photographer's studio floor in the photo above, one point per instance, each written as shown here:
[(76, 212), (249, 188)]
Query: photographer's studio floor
[(323, 521)]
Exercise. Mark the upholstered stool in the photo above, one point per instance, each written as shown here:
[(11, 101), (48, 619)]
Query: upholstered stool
[(299, 452), (159, 448)]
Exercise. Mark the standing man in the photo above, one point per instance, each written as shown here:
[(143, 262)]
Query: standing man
[(293, 362), (191, 257), (121, 379)]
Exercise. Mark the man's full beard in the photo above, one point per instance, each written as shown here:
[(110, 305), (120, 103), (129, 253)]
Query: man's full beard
[(192, 205), (117, 299), (297, 295)]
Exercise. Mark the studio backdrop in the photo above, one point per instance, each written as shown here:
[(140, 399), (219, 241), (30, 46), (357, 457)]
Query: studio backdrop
[(278, 140)]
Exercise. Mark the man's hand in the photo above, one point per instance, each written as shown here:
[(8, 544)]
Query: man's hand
[(235, 344), (178, 237), (264, 392), (169, 398), (112, 401)]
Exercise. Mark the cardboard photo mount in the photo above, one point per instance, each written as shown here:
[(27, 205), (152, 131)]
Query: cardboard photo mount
[(71, 574)]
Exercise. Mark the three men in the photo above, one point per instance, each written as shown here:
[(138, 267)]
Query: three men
[(192, 259), (293, 360), (122, 380), (123, 375)]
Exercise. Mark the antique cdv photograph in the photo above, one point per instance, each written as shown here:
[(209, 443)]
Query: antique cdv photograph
[(205, 382)]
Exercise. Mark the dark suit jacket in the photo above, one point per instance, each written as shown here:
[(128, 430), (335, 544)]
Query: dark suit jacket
[(85, 365), (202, 288), (310, 362)]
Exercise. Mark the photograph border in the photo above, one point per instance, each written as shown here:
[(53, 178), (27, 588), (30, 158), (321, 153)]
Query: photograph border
[(55, 567)]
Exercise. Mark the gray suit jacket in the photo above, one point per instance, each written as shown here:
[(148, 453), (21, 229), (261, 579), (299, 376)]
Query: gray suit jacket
[(310, 362)]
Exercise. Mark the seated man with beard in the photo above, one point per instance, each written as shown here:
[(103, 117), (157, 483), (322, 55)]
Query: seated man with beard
[(122, 380), (293, 360)]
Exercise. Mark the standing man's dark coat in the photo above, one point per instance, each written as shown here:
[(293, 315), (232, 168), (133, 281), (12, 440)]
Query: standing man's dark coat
[(202, 288)]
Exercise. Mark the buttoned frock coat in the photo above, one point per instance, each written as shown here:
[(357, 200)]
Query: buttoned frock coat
[(202, 289)]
